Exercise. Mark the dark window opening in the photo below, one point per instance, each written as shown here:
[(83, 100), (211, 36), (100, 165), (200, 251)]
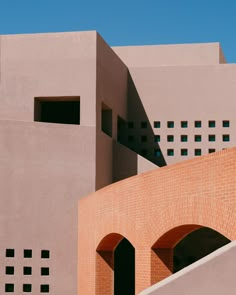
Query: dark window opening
[(225, 123), (197, 152), (184, 152), (157, 138), (44, 288), (44, 271), (144, 124), (9, 287), (45, 254), (198, 138), (27, 270), (121, 130), (64, 110), (170, 152), (226, 137), (170, 138), (157, 124), (27, 253), (211, 137), (212, 124), (198, 124), (106, 120), (184, 124), (211, 151), (170, 124), (10, 252), (9, 270), (184, 138), (143, 138), (27, 288), (130, 125), (157, 152)]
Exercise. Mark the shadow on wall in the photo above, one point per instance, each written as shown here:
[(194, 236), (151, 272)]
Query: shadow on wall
[(137, 133)]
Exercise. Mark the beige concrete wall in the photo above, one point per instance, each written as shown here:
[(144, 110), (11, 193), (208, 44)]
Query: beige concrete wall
[(44, 169), (213, 274), (58, 64), (176, 54)]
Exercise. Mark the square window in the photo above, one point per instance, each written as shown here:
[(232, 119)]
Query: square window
[(157, 124), (211, 137), (170, 152), (27, 253), (44, 288), (197, 124), (184, 124), (131, 138), (197, 152), (144, 124), (157, 152), (198, 138), (225, 123), (211, 151), (212, 124), (9, 287), (130, 125), (143, 152), (170, 124), (27, 270), (45, 254), (44, 271), (184, 152), (184, 138), (143, 138), (9, 270), (226, 137), (27, 288), (157, 138), (170, 138), (10, 252)]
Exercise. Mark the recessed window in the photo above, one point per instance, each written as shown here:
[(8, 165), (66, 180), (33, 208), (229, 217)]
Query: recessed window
[(184, 152), (170, 152), (225, 123), (184, 138), (27, 288), (27, 270), (10, 252), (130, 138), (130, 125), (211, 137), (198, 138), (157, 138), (170, 124), (45, 254), (157, 124), (144, 124), (27, 253), (170, 138), (143, 138), (9, 270), (44, 271), (44, 288), (106, 120), (211, 151), (212, 124), (184, 124), (226, 137), (9, 287), (143, 152), (157, 152), (197, 152), (198, 124), (65, 110)]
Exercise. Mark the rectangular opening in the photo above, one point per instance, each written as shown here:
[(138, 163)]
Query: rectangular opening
[(64, 110), (44, 271), (9, 270), (27, 253), (106, 120), (9, 288), (45, 254), (10, 252), (44, 288), (27, 270), (27, 288)]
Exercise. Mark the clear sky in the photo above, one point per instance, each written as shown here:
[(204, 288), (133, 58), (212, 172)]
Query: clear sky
[(128, 22)]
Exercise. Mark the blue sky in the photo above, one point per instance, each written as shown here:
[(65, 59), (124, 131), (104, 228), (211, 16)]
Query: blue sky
[(128, 22)]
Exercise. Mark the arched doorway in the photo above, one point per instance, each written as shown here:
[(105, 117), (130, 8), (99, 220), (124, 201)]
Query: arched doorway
[(180, 247), (115, 266)]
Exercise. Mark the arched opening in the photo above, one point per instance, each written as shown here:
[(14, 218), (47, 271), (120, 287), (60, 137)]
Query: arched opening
[(182, 246), (115, 266)]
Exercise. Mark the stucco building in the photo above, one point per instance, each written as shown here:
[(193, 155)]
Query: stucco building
[(78, 120)]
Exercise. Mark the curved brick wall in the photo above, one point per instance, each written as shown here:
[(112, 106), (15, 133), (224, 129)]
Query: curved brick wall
[(176, 199)]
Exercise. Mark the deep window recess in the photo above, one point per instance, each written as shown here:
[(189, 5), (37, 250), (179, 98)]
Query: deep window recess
[(45, 254), (27, 270), (130, 125), (197, 152), (225, 123), (27, 253), (198, 138), (184, 124), (143, 138), (212, 124), (226, 137), (9, 288), (65, 110), (157, 124), (211, 137), (211, 151), (44, 288), (9, 270), (184, 152), (27, 288), (197, 124), (157, 152), (44, 271), (157, 138), (10, 252), (170, 138), (170, 124), (170, 152), (184, 138), (144, 124), (106, 119)]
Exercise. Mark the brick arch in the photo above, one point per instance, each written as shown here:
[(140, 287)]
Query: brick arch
[(197, 192)]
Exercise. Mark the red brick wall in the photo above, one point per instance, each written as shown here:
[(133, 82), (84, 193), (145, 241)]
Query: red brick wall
[(175, 200)]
